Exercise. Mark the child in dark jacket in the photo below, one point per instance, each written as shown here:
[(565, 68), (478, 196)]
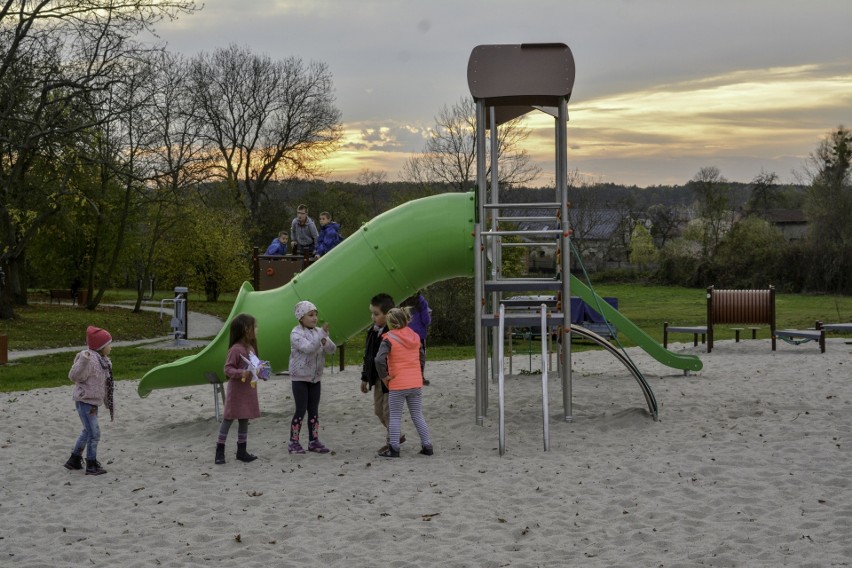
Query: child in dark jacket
[(380, 305)]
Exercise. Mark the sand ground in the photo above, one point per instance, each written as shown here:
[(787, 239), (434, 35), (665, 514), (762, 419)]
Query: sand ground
[(748, 466)]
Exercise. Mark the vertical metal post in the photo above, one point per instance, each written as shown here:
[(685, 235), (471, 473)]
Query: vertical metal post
[(481, 339), (565, 245), (545, 355), (494, 242), (501, 379)]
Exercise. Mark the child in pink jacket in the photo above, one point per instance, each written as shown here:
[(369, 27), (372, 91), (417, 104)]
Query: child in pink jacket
[(241, 402), (93, 386)]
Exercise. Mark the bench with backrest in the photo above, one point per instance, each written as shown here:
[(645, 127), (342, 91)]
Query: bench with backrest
[(60, 294), (737, 307)]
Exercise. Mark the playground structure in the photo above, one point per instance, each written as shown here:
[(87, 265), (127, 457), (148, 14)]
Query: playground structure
[(465, 232), (506, 82)]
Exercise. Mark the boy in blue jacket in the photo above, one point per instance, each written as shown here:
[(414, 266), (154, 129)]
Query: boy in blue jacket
[(329, 235)]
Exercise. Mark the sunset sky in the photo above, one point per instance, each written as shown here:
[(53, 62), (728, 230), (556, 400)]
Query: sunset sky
[(663, 87)]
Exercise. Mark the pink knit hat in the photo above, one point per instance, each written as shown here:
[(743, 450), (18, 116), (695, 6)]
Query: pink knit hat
[(97, 338)]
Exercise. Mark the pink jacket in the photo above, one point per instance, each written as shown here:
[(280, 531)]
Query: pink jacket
[(241, 399), (90, 371)]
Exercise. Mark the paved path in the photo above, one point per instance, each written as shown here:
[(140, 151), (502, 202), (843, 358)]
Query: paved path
[(201, 327)]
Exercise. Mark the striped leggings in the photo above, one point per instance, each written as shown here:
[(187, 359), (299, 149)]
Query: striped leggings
[(414, 399)]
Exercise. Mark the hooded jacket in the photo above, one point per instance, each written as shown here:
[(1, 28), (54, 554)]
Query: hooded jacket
[(90, 372), (329, 237), (307, 353), (402, 358)]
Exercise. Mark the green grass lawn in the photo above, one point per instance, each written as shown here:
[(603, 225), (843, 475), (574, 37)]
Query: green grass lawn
[(42, 326)]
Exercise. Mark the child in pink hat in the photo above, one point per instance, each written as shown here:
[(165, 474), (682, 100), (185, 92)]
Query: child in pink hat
[(92, 375)]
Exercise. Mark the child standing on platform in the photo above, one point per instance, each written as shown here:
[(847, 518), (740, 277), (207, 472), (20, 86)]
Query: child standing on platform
[(92, 375), (241, 402), (308, 348), (400, 365)]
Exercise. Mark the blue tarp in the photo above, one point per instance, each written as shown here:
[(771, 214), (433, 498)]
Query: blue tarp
[(582, 313)]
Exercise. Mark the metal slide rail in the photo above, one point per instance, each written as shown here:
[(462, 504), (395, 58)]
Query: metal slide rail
[(643, 384)]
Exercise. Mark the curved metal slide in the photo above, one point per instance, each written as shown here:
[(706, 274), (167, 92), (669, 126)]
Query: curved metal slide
[(398, 252), (637, 374)]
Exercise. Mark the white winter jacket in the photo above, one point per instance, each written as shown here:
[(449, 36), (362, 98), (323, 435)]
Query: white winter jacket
[(307, 353)]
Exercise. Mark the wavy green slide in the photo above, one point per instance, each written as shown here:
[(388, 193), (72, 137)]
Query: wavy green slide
[(400, 251)]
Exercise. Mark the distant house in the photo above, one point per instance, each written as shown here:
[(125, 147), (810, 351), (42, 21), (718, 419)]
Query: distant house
[(791, 222), (600, 235)]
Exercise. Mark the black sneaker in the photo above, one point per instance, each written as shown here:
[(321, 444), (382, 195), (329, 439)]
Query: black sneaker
[(426, 451), (93, 467), (389, 453)]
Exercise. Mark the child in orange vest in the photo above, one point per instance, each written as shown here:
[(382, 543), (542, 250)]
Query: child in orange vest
[(399, 363)]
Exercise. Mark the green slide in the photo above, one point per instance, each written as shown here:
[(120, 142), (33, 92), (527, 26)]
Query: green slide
[(400, 251), (636, 334)]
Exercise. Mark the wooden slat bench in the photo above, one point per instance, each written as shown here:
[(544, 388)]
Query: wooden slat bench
[(60, 295), (737, 307), (65, 294)]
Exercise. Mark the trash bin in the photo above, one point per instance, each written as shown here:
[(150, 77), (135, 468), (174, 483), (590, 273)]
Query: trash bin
[(4, 349)]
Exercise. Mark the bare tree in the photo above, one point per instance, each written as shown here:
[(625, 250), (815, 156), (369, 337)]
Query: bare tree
[(54, 55), (265, 119), (666, 221), (713, 207), (450, 153), (373, 182), (178, 160), (764, 193)]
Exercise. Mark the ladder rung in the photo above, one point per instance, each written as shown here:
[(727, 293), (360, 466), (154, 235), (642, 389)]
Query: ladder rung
[(521, 285), (522, 320), (552, 232), (522, 205), (531, 244), (512, 303), (522, 219)]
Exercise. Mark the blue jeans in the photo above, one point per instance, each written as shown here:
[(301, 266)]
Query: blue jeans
[(91, 434)]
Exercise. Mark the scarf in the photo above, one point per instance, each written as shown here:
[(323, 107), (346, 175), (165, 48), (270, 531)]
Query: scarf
[(106, 364)]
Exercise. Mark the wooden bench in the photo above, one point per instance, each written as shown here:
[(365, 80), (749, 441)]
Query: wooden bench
[(737, 307), (60, 295)]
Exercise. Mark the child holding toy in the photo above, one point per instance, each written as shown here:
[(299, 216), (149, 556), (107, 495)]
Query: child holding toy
[(241, 402), (92, 375), (308, 347)]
